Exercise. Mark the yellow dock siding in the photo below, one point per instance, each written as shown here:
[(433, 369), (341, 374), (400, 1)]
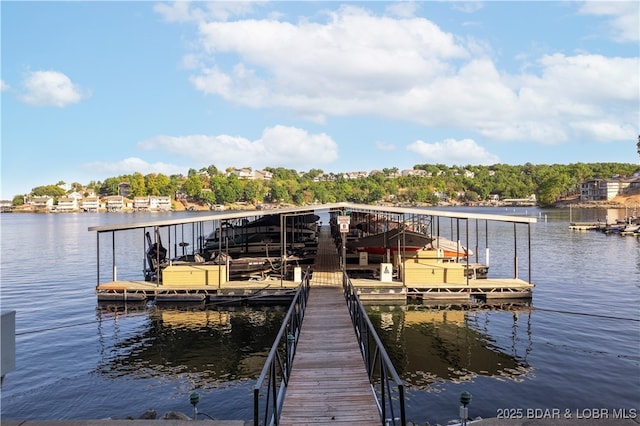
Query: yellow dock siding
[(421, 271), (194, 275)]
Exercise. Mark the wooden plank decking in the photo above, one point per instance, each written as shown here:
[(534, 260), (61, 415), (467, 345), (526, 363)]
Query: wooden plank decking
[(329, 381)]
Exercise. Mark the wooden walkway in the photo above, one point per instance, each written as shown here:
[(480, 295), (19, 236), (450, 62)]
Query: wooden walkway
[(329, 382)]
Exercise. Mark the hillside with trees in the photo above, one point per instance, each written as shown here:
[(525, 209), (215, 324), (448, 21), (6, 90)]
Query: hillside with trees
[(424, 184)]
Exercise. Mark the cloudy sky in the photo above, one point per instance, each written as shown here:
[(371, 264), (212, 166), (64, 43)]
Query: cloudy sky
[(92, 90)]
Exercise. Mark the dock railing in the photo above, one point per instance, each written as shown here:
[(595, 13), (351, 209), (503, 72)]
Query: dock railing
[(387, 386), (269, 391)]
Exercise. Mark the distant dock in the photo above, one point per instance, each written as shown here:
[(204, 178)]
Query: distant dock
[(586, 226)]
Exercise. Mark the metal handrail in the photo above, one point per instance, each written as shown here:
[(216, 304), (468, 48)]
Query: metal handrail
[(272, 383), (387, 386)]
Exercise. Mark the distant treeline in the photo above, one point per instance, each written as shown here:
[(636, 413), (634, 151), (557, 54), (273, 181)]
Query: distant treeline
[(426, 183)]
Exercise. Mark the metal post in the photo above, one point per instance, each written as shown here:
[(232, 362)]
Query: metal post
[(219, 251), (113, 255), (344, 252), (169, 243), (283, 247), (457, 239), (477, 247), (486, 241), (529, 249), (98, 258), (155, 241), (466, 225), (515, 252)]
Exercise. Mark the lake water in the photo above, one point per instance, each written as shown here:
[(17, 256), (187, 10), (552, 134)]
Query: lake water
[(577, 347)]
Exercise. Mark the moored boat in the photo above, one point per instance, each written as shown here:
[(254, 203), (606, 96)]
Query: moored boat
[(263, 236), (407, 241), (393, 240), (449, 248)]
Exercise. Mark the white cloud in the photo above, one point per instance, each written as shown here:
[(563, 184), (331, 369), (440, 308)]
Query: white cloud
[(132, 165), (408, 69), (385, 146), (553, 105), (467, 6), (50, 88), (279, 146), (186, 11), (4, 86), (403, 9), (452, 152), (340, 67), (624, 21)]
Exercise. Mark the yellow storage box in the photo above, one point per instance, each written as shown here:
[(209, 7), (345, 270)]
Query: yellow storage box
[(420, 271), (194, 275)]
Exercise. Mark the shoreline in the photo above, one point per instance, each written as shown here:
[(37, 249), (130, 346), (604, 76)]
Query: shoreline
[(619, 202)]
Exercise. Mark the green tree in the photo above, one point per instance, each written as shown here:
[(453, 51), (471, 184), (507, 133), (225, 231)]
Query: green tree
[(232, 190), (280, 173), (158, 184), (390, 171), (209, 197), (193, 186), (253, 191), (18, 200), (212, 170), (278, 192), (552, 182), (48, 190), (313, 173), (109, 186), (137, 185), (471, 196)]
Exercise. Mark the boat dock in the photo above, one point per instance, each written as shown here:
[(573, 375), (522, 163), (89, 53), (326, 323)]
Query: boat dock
[(402, 276)]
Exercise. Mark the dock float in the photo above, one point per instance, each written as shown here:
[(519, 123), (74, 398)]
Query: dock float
[(586, 226)]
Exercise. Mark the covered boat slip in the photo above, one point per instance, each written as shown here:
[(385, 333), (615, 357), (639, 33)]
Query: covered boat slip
[(395, 276)]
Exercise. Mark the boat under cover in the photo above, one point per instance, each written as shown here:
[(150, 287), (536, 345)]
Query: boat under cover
[(392, 240)]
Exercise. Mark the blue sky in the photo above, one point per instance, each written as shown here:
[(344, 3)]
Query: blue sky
[(92, 90)]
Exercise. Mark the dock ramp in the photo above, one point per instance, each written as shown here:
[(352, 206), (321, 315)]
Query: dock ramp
[(329, 382)]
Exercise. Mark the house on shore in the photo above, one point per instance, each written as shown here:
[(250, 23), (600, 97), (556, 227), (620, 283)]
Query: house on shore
[(41, 203), (67, 204), (90, 204), (114, 203), (152, 203), (604, 189)]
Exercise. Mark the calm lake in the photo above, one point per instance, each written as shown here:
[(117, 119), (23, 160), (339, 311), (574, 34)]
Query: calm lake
[(576, 347)]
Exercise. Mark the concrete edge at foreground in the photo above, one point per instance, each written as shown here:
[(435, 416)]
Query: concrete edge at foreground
[(108, 422), (556, 422), (483, 422)]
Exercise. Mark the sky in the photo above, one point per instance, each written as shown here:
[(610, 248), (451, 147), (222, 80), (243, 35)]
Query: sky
[(91, 90)]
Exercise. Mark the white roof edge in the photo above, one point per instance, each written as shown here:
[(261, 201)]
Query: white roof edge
[(319, 207)]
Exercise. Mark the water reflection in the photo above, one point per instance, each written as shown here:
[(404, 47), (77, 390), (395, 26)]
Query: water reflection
[(434, 345), (211, 345)]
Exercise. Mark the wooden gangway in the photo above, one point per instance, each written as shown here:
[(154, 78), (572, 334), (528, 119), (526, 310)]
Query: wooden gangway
[(329, 382)]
